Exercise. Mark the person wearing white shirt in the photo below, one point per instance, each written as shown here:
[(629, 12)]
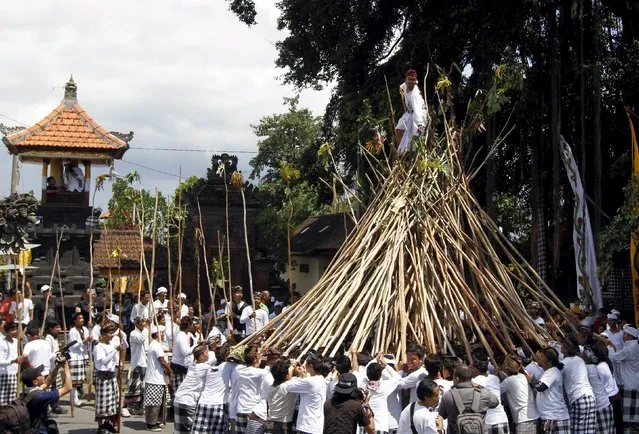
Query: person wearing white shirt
[(605, 420), (415, 119), (217, 333), (210, 416), (37, 351), (188, 394), (184, 308), (139, 342), (520, 399), (381, 381), (608, 380), (422, 415), (182, 354), (253, 319), (627, 362), (577, 389), (249, 385), (550, 392), (161, 304), (9, 361), (154, 382), (412, 373), (53, 330), (235, 310), (280, 403), (496, 419), (107, 395), (312, 391), (143, 308), (79, 353), (21, 309)]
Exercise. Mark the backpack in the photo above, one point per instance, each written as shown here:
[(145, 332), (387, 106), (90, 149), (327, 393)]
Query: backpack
[(15, 418), (469, 420)]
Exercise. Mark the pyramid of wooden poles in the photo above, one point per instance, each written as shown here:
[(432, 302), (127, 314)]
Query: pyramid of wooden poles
[(425, 264)]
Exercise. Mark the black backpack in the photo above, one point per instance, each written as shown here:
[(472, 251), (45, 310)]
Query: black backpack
[(15, 418)]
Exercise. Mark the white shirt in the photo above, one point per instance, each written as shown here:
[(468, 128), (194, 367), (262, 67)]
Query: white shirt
[(38, 352), (379, 399), (160, 305), (189, 391), (520, 398), (497, 415), (312, 391), (182, 351), (216, 332), (154, 370), (605, 374), (79, 351), (249, 384), (615, 338), (119, 339), (410, 381), (216, 386), (8, 353), (140, 310), (598, 387), (95, 333), (139, 345), (281, 405), (535, 370), (576, 382), (253, 324), (424, 419), (104, 357), (627, 363), (550, 402), (184, 310), (539, 321), (28, 307)]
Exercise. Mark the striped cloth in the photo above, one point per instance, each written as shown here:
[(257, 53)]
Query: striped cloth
[(630, 406), (78, 369), (210, 419), (605, 421), (555, 426), (255, 427), (498, 428), (528, 427), (183, 418), (241, 421), (583, 419), (8, 388), (106, 398)]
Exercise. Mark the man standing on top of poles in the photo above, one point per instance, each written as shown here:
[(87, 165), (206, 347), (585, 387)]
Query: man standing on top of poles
[(415, 118)]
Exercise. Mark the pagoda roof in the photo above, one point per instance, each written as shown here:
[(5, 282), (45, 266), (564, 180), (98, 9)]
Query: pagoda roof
[(67, 131)]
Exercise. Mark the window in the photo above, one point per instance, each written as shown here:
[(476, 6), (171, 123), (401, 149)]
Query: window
[(304, 268)]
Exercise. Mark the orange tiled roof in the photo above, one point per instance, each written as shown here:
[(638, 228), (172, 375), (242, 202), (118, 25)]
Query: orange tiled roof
[(121, 248)]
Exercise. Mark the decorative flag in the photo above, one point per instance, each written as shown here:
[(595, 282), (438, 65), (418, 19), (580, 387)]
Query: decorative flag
[(634, 242), (588, 285)]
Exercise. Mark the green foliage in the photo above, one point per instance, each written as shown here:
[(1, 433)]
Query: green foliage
[(513, 216), (614, 240)]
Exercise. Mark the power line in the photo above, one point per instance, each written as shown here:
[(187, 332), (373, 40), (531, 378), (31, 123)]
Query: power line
[(236, 151), (150, 168), (14, 120)]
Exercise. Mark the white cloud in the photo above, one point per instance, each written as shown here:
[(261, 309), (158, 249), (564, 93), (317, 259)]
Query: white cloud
[(181, 74)]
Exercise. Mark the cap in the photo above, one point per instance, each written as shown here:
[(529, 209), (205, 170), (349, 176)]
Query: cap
[(45, 288), (30, 374), (114, 318), (631, 331), (222, 302), (278, 303), (346, 384), (162, 290), (182, 295), (613, 316)]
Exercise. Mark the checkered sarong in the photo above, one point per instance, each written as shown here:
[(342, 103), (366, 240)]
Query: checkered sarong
[(605, 421), (210, 419), (240, 423), (183, 418), (154, 395), (177, 380), (279, 427), (528, 427), (78, 369), (135, 389), (555, 426), (630, 406), (583, 419), (498, 428), (255, 427), (8, 388), (106, 397)]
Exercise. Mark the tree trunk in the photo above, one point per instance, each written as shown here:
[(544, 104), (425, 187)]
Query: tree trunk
[(555, 97), (596, 116)]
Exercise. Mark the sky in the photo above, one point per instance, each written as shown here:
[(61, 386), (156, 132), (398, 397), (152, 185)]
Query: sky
[(180, 74)]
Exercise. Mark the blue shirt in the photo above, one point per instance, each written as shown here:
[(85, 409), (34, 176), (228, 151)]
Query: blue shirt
[(39, 410)]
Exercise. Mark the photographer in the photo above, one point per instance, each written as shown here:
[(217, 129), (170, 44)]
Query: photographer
[(34, 381)]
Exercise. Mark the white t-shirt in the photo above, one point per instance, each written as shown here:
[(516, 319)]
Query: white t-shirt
[(8, 353), (598, 387), (576, 382), (182, 350), (615, 338), (535, 370), (28, 307), (139, 346), (550, 402), (520, 398), (249, 383), (626, 363), (216, 386), (190, 389), (253, 324), (281, 405), (154, 370), (216, 332), (379, 398), (38, 352), (608, 380), (410, 381), (424, 419), (312, 391), (497, 415), (79, 351), (104, 357), (184, 310), (119, 339), (95, 332)]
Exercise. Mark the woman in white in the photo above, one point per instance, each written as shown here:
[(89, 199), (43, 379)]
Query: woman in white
[(188, 394), (496, 420), (413, 121), (249, 385), (519, 396), (79, 356), (605, 421), (107, 396), (210, 414), (550, 393), (581, 399)]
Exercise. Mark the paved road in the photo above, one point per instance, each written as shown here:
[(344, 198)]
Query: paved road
[(82, 421)]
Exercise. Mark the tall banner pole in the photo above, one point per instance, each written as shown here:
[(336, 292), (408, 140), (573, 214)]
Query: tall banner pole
[(634, 242)]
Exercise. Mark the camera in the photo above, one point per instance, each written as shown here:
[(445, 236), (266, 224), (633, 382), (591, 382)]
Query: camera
[(63, 355)]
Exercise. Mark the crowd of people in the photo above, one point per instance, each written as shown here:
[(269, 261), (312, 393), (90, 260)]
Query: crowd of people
[(191, 369)]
